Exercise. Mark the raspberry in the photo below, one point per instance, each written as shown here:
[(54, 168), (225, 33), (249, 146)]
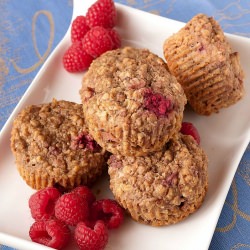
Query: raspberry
[(84, 140), (109, 211), (75, 59), (91, 239), (71, 208), (42, 203), (97, 41), (102, 13), (51, 233), (157, 103), (86, 193), (187, 128), (79, 28), (114, 162), (170, 180), (116, 39)]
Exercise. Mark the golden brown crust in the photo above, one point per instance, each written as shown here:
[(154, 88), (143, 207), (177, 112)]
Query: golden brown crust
[(44, 141), (203, 62), (162, 188), (113, 95)]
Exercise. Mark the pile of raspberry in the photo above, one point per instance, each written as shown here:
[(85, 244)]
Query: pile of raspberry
[(92, 35), (59, 216)]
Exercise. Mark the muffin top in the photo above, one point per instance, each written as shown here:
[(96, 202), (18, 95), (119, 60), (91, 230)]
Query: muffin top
[(52, 138), (164, 187), (130, 69), (134, 76), (133, 89), (202, 35)]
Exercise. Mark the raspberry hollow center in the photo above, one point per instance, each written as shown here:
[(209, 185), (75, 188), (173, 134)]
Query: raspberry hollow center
[(84, 140), (157, 103)]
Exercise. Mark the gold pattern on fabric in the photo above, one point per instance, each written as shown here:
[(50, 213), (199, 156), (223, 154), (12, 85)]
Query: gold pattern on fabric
[(171, 6), (235, 209), (234, 219), (3, 40), (3, 71), (244, 171), (238, 13), (131, 2), (156, 12), (148, 4), (41, 58), (239, 246)]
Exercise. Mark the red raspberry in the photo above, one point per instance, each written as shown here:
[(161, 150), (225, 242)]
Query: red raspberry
[(102, 13), (75, 59), (157, 103), (114, 162), (116, 39), (187, 128), (109, 211), (79, 28), (91, 239), (97, 41), (51, 233), (42, 203), (84, 140), (86, 193), (71, 208)]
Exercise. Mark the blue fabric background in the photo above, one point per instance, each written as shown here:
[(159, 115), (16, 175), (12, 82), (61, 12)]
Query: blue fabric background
[(30, 30)]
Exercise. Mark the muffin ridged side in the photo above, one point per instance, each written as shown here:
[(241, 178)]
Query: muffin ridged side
[(204, 63)]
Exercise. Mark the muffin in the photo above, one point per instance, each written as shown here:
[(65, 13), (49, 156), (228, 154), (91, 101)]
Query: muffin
[(205, 65), (161, 188), (132, 104), (52, 146)]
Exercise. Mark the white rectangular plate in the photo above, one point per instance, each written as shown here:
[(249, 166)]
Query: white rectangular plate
[(224, 137)]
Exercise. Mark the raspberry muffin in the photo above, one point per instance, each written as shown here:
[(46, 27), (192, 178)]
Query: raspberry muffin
[(161, 188), (132, 104), (205, 65), (52, 146)]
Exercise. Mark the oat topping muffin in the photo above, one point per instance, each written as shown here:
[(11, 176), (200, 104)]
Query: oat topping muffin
[(205, 65), (162, 188), (52, 147), (132, 104)]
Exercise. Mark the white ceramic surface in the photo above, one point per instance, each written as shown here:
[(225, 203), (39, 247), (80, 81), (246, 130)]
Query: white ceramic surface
[(224, 137)]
